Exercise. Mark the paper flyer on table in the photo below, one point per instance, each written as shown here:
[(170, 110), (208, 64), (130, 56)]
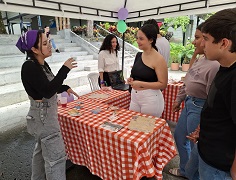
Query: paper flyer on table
[(74, 112), (142, 124), (111, 126)]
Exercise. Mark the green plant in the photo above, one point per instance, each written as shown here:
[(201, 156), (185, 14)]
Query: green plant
[(187, 53), (205, 16), (164, 31), (175, 52), (80, 30), (180, 21)]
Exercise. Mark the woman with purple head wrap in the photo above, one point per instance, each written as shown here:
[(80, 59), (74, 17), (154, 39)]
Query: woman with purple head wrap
[(42, 87)]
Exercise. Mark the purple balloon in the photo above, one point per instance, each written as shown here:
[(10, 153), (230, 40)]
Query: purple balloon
[(69, 98), (123, 14)]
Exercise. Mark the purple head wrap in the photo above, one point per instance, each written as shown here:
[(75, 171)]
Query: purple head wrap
[(27, 41)]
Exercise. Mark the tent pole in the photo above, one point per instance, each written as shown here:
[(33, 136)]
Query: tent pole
[(123, 50)]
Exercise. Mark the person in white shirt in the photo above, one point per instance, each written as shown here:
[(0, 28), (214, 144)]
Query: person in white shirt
[(162, 43), (108, 60)]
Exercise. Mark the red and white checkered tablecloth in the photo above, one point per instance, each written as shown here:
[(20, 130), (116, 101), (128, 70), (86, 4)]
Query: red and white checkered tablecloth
[(118, 155), (170, 94), (116, 98)]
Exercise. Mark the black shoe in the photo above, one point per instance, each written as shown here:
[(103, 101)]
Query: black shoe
[(57, 50)]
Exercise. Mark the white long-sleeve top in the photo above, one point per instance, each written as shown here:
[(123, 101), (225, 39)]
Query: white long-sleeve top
[(107, 61)]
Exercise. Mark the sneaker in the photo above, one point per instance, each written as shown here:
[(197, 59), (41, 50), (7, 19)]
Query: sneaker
[(57, 50)]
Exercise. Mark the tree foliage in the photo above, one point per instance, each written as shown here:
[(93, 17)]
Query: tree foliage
[(180, 21)]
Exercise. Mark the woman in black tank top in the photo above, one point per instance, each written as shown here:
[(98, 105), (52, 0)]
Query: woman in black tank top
[(148, 75)]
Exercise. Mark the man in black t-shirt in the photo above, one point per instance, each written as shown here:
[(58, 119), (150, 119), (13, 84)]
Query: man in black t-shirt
[(217, 138)]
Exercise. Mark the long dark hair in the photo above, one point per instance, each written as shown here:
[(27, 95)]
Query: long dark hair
[(199, 27), (106, 45), (154, 23), (30, 56), (150, 32)]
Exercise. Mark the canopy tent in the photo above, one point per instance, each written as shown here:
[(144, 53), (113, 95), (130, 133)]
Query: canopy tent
[(101, 10)]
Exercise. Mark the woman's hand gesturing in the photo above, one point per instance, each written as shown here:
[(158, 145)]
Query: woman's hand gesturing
[(70, 63)]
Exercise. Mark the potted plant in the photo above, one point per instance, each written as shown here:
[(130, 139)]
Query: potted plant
[(187, 54), (175, 55)]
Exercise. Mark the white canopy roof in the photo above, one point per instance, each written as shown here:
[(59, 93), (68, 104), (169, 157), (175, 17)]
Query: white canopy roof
[(106, 10)]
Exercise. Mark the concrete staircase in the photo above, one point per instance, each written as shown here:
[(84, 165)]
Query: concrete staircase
[(11, 59), (12, 93)]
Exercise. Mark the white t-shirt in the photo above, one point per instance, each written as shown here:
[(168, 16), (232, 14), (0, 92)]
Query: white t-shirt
[(163, 47), (107, 61)]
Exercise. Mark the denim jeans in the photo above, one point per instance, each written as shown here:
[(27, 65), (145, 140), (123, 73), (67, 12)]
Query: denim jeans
[(49, 157), (191, 168), (53, 44), (208, 172), (187, 123)]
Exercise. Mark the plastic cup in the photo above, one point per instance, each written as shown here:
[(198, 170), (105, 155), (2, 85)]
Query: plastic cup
[(59, 99), (63, 101)]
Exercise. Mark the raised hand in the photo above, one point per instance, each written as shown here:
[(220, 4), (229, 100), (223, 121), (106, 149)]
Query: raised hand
[(70, 63)]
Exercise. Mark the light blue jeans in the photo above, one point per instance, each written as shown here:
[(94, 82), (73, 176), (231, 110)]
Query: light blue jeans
[(53, 44), (187, 123), (207, 172)]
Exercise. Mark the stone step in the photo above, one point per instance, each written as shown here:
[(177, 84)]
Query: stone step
[(17, 60), (70, 49), (91, 68), (8, 42), (80, 56), (11, 49), (11, 60), (8, 39), (7, 49), (55, 36), (15, 93), (63, 45), (61, 41), (12, 74), (81, 65)]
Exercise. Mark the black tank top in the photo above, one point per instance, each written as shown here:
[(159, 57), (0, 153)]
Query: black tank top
[(142, 72)]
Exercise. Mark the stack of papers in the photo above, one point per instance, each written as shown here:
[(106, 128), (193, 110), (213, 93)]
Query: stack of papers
[(142, 124), (111, 126)]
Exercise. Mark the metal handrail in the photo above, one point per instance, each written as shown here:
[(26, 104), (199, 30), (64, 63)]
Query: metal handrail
[(119, 39), (84, 40)]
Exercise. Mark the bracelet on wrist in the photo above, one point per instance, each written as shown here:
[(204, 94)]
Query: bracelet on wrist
[(102, 82)]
